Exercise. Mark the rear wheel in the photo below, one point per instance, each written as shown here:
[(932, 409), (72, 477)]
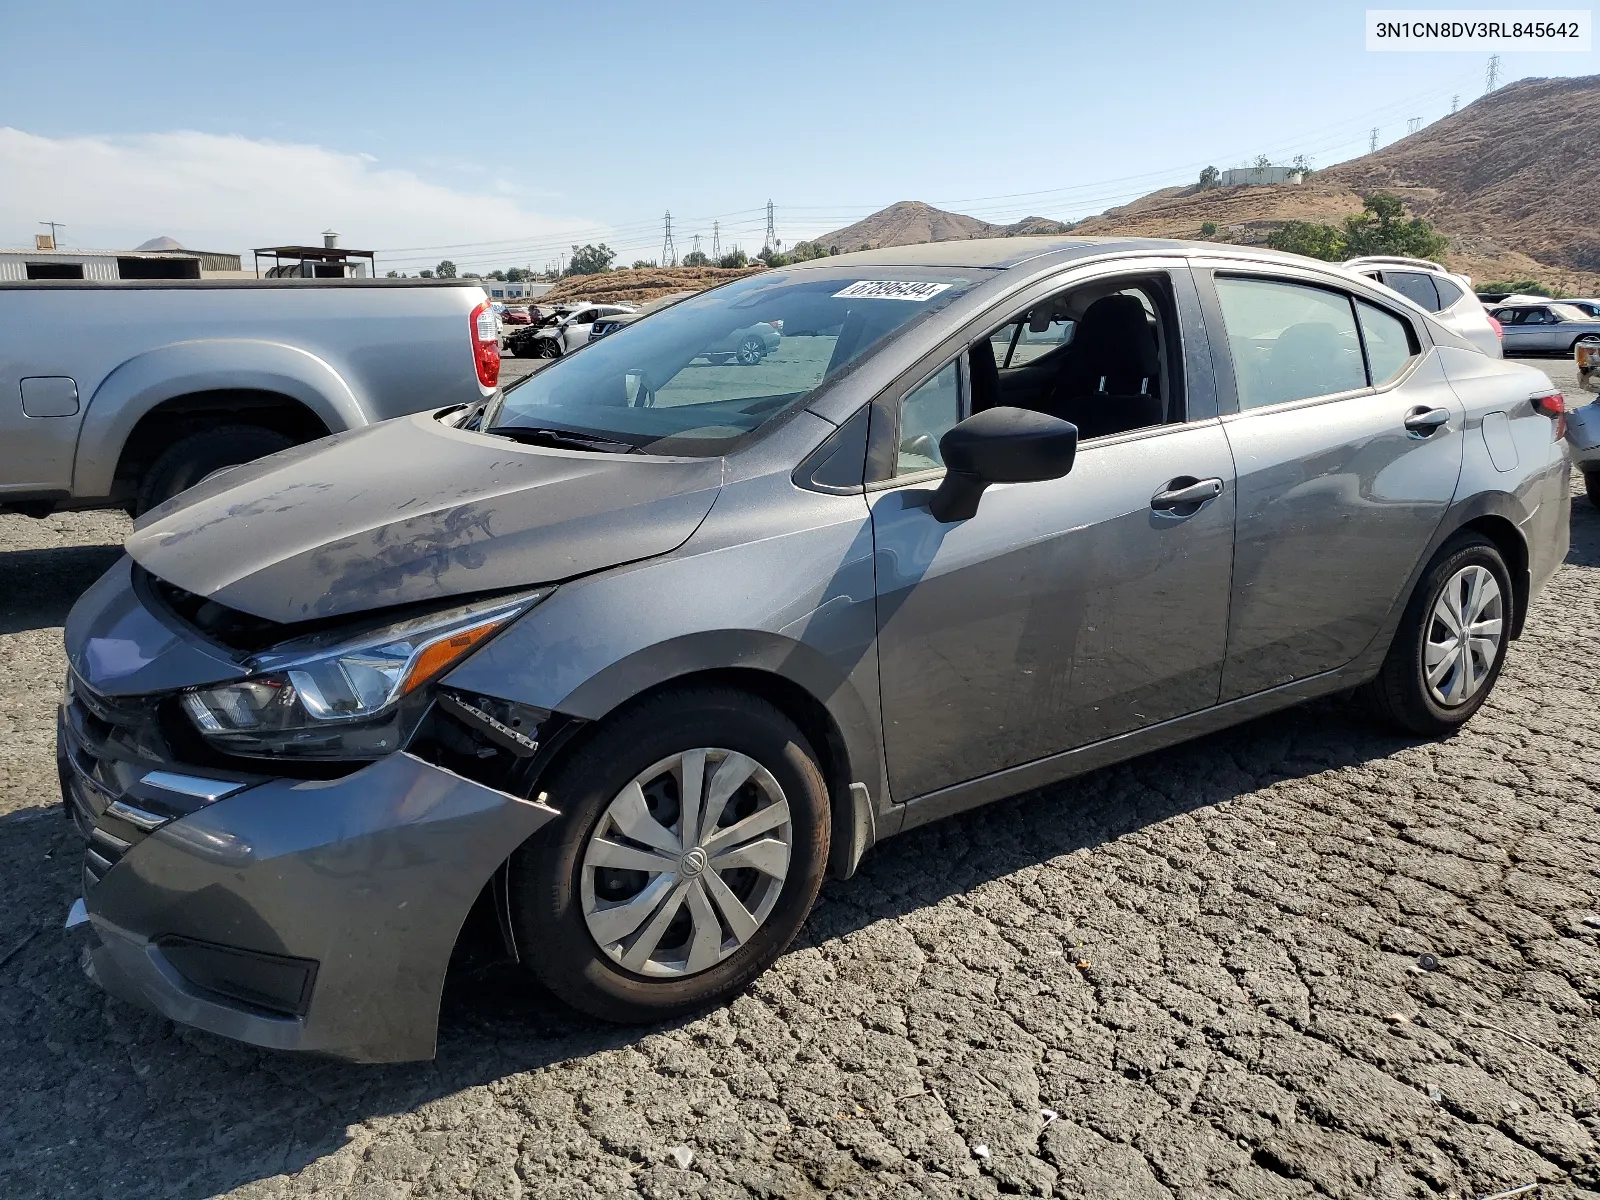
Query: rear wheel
[(1451, 643), (693, 842), (189, 460), (1588, 339)]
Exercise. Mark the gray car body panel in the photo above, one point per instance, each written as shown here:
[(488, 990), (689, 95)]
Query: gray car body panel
[(370, 875), (729, 566), (350, 351), (364, 522)]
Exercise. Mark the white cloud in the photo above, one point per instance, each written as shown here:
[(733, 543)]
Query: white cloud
[(230, 193)]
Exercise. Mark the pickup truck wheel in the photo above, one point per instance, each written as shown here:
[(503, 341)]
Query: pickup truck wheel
[(693, 841), (1451, 643), (189, 460)]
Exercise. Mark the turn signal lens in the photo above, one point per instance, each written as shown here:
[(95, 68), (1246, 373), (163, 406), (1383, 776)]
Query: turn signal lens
[(438, 657), (1499, 329)]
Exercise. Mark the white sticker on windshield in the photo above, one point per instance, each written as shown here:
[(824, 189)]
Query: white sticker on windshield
[(891, 289)]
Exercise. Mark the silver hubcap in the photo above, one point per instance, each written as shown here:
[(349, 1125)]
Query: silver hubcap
[(686, 863), (1463, 636)]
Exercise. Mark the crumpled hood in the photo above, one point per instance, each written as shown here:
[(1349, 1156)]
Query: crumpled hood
[(411, 510)]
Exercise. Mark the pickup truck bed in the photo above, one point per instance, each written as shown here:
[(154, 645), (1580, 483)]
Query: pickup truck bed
[(123, 394)]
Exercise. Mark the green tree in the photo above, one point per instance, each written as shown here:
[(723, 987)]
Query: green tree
[(1311, 239), (516, 275), (806, 251), (445, 270), (1210, 177), (1521, 287), (697, 258), (1208, 229), (474, 275), (775, 258), (735, 258), (591, 259), (643, 264), (425, 273), (392, 275), (1381, 228)]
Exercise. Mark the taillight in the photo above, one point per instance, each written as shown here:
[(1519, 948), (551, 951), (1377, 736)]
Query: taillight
[(485, 345), (1499, 329), (1554, 406)]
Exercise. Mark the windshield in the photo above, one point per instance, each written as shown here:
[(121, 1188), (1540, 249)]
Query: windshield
[(694, 378)]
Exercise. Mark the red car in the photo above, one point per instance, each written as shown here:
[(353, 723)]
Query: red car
[(516, 316)]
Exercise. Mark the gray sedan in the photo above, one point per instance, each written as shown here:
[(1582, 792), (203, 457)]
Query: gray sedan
[(624, 663), (1553, 328)]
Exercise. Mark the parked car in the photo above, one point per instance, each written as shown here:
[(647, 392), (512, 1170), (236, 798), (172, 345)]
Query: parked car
[(1551, 327), (747, 346), (634, 654), (1429, 285), (516, 316), (567, 330), (162, 382), (616, 321), (1583, 423), (1590, 308)]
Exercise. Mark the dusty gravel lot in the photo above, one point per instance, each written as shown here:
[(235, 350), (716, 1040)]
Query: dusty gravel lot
[(1192, 975)]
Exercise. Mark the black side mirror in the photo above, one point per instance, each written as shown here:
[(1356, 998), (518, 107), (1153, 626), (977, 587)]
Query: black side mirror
[(1000, 445)]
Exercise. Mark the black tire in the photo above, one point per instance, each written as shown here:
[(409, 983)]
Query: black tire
[(546, 902), (751, 351), (717, 360), (1587, 339), (189, 460), (548, 348), (519, 349), (1400, 696), (1591, 485)]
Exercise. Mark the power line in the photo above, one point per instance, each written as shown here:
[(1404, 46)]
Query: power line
[(1492, 76), (716, 240), (770, 243), (1455, 102), (1372, 142), (55, 225), (1414, 124), (669, 251)]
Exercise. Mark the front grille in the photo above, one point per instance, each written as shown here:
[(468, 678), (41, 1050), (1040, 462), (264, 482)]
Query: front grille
[(105, 746)]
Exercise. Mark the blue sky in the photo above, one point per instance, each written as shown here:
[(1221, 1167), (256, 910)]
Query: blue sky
[(496, 133)]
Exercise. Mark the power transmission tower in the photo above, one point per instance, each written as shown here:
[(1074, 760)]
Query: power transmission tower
[(1455, 102), (1372, 141), (55, 225), (771, 241), (1414, 124), (669, 251), (695, 249), (716, 239), (1492, 77)]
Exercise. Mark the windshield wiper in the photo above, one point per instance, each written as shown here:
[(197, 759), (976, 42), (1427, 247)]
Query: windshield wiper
[(563, 439)]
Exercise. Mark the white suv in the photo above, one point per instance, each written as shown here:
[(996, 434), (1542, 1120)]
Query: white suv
[(1448, 297)]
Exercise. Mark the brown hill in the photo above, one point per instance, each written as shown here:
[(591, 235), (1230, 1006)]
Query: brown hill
[(1518, 166), (1509, 179), (911, 223), (629, 286)]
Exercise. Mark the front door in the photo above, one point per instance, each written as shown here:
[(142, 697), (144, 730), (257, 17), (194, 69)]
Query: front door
[(1348, 441), (1063, 612)]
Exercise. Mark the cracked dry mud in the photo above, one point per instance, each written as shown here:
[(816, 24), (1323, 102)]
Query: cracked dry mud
[(1203, 963)]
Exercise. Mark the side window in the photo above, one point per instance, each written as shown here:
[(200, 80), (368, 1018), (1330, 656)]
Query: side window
[(926, 414), (1449, 293), (1414, 285), (1289, 341), (1389, 340), (1506, 316)]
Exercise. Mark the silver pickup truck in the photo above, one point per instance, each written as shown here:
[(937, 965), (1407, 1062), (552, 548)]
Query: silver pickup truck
[(125, 394)]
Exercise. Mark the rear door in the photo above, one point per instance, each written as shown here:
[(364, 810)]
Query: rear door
[(1348, 440)]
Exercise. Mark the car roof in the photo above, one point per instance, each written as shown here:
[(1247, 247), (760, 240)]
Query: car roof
[(1004, 253)]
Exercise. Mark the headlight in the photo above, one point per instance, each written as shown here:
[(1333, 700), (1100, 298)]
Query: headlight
[(343, 695)]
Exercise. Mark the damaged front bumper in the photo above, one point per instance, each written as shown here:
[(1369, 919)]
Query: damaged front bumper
[(299, 914)]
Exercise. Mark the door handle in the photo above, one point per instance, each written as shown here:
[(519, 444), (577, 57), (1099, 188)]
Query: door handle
[(1186, 493), (1420, 422)]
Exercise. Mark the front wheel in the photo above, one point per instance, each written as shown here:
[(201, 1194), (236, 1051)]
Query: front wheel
[(692, 845), (549, 348), (1451, 643), (751, 351), (1588, 339)]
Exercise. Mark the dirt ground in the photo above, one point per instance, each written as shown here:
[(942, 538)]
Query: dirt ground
[(1193, 975)]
